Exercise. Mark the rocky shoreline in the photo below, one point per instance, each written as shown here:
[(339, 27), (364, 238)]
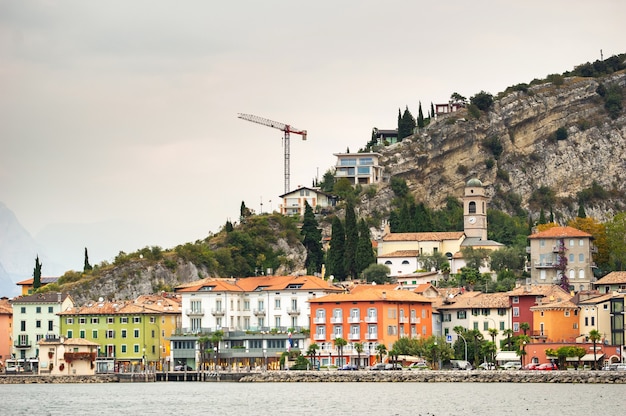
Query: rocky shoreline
[(333, 376), (589, 377)]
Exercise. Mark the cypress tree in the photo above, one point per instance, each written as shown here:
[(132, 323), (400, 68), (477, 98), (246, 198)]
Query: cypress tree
[(352, 238), (87, 266), (581, 211), (336, 250), (312, 241), (406, 124), (542, 217), (420, 116), (37, 274), (365, 253)]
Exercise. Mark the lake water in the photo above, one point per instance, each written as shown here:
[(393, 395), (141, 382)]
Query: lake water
[(380, 399)]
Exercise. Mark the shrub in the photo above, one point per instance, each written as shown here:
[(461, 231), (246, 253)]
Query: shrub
[(556, 79), (503, 175), (489, 163), (483, 100), (473, 111), (494, 145), (561, 133), (462, 170)]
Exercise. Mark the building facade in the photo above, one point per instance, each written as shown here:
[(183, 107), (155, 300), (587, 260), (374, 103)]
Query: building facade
[(293, 203), (562, 252), (359, 168), (6, 331), (68, 356)]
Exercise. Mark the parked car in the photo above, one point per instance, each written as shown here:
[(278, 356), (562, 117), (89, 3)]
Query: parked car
[(419, 366), (487, 366), (460, 365), (546, 367), (396, 366), (14, 369), (378, 367), (511, 365), (348, 367), (183, 368), (530, 366), (615, 367)]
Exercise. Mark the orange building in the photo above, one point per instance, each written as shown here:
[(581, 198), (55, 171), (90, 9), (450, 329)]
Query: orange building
[(369, 315), (6, 330), (555, 320), (27, 285)]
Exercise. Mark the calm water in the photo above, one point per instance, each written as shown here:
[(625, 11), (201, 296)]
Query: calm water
[(380, 399)]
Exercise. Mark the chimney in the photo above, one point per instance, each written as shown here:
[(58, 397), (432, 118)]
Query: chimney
[(384, 295)]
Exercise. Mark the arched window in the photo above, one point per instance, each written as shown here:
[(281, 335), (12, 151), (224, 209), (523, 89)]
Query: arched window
[(572, 274), (472, 207), (388, 262), (581, 274), (405, 262)]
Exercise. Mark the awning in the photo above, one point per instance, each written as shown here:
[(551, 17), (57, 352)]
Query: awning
[(589, 357), (507, 356)]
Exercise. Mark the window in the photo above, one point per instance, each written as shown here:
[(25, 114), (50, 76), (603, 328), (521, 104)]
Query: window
[(136, 333), (575, 325), (82, 321), (571, 243), (136, 348), (501, 311), (277, 321), (123, 348), (109, 334), (246, 305), (472, 207), (23, 309), (485, 326), (153, 319), (461, 314), (95, 320), (581, 258), (405, 262), (81, 333), (581, 242), (136, 319), (38, 309), (70, 333), (447, 317), (392, 330), (50, 325), (476, 326), (94, 334), (69, 321), (391, 313), (581, 274), (515, 326), (50, 309), (571, 257), (38, 324), (593, 321), (320, 313), (515, 311), (123, 333), (501, 326), (111, 320), (515, 299)]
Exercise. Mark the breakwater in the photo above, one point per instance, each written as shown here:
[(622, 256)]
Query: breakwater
[(590, 377), (38, 379)]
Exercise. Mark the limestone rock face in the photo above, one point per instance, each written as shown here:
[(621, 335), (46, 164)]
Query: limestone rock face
[(438, 160)]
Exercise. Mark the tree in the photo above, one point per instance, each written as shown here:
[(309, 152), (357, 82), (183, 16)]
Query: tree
[(87, 266), (203, 346), (364, 251), (312, 241), (525, 327), (339, 344), (406, 124), (598, 231), (616, 241), (336, 250), (328, 181), (483, 100), (476, 258), (358, 347), (216, 338), (381, 350), (312, 352), (493, 332), (37, 274), (376, 273), (508, 344), (420, 117), (352, 238), (595, 336)]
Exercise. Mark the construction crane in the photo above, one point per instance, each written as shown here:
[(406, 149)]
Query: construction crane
[(280, 126)]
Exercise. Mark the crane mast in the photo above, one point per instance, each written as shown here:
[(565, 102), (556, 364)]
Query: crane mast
[(287, 129)]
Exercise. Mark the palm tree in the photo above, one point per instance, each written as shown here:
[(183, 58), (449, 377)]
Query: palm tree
[(595, 336), (524, 326), (339, 344), (358, 347), (203, 344), (216, 337), (508, 333), (312, 352), (493, 332), (381, 349), (522, 340)]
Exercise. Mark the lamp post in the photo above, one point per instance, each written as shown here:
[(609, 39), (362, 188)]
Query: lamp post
[(435, 355), (523, 352), (264, 359)]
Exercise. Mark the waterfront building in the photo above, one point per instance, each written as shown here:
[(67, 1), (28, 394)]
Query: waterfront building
[(524, 297), (68, 356), (34, 318), (293, 202), (6, 330), (370, 315)]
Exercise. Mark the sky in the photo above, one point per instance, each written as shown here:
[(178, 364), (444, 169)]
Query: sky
[(118, 119)]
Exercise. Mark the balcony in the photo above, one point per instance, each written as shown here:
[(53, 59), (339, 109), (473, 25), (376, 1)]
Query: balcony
[(353, 319), (415, 320), (217, 312), (546, 265), (404, 320), (22, 343), (293, 311), (320, 337), (354, 337), (195, 312), (538, 334), (336, 320), (319, 320), (371, 319), (371, 336), (335, 336), (259, 312)]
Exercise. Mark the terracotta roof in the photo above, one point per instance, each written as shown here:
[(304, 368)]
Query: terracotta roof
[(44, 281), (560, 232), (111, 308), (5, 307), (69, 341), (612, 278), (401, 253), (260, 283), (560, 304), (369, 293), (537, 290), (430, 236), (470, 300), (598, 299)]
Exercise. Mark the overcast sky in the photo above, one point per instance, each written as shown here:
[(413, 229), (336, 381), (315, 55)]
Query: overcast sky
[(125, 112)]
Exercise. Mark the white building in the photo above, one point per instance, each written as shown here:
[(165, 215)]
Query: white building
[(34, 318), (359, 168), (293, 203)]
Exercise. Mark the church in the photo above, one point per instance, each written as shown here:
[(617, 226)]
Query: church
[(400, 251)]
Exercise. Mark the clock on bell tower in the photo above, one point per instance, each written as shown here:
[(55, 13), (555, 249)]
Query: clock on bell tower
[(475, 210)]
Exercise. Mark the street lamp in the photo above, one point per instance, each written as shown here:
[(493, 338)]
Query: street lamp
[(465, 341), (265, 359), (435, 355), (216, 360)]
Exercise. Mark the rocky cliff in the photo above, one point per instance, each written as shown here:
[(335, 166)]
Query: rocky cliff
[(438, 160)]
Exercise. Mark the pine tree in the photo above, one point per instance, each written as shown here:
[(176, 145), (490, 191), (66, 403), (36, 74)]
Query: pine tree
[(352, 238), (432, 109), (406, 124), (365, 253), (581, 211), (542, 217), (87, 267), (312, 241), (420, 117), (336, 250), (37, 274)]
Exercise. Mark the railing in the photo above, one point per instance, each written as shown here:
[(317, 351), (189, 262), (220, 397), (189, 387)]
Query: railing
[(415, 320), (404, 320), (293, 311), (259, 312), (217, 312), (354, 337), (353, 319), (320, 337), (371, 319), (195, 312), (546, 265), (371, 336), (317, 320), (336, 320)]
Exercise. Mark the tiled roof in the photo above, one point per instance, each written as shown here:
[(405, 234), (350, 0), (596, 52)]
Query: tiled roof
[(537, 290), (69, 341), (597, 299), (111, 308), (560, 232), (401, 253), (430, 236), (260, 283), (480, 300), (559, 304), (612, 278), (371, 293), (49, 297), (5, 307)]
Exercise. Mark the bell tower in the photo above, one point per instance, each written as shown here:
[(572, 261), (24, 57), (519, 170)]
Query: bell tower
[(475, 210)]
